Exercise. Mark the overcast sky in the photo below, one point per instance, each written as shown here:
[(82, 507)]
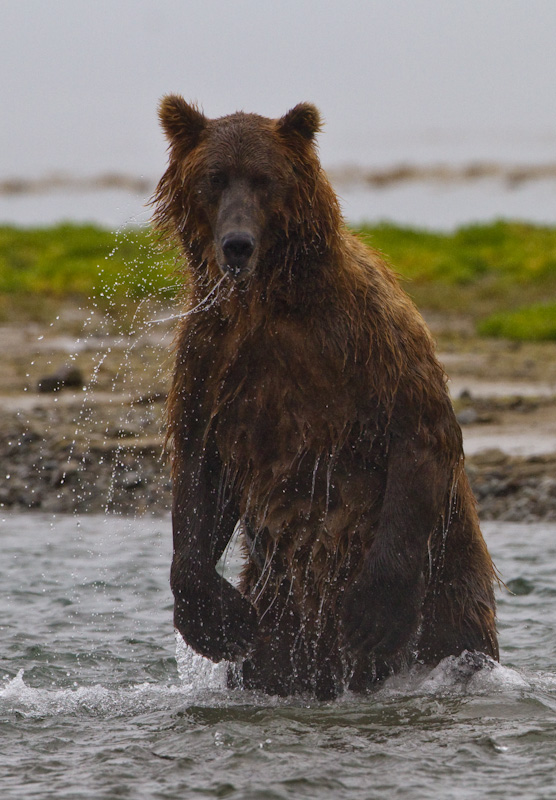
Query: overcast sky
[(81, 79)]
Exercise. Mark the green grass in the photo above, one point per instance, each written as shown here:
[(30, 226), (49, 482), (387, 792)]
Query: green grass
[(81, 260), (501, 275), (477, 270), (534, 323)]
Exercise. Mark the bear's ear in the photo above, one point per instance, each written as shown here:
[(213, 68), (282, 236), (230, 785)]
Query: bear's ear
[(182, 122), (303, 120)]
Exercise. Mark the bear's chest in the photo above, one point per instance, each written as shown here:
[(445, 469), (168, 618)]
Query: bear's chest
[(296, 429), (279, 395)]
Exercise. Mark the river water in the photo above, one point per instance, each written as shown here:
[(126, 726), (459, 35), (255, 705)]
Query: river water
[(418, 204), (99, 700)]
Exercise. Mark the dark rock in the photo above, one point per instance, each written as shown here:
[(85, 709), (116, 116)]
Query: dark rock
[(132, 480), (66, 377)]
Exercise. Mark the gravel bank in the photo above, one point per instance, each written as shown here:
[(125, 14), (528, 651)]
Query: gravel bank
[(48, 464), (100, 448)]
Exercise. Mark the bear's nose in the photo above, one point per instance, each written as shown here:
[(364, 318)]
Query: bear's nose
[(238, 248)]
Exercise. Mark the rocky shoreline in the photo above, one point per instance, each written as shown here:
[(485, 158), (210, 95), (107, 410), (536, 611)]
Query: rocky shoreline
[(133, 478), (100, 448), (126, 471)]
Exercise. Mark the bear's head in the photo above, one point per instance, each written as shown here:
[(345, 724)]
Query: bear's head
[(243, 192)]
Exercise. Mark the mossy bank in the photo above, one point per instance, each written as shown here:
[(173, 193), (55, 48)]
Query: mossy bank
[(500, 276)]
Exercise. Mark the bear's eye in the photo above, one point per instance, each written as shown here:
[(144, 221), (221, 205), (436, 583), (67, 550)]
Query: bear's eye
[(261, 181), (217, 180)]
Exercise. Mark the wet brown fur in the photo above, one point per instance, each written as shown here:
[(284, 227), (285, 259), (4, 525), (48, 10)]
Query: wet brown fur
[(308, 405)]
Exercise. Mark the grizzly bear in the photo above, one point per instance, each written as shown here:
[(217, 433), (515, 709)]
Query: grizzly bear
[(308, 410)]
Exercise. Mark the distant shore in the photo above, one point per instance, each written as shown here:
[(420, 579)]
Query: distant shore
[(509, 175), (438, 196)]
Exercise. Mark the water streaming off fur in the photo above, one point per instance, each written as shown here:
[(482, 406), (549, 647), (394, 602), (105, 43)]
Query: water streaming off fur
[(98, 700), (102, 440)]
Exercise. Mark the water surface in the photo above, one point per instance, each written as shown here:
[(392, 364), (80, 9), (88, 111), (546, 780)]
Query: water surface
[(420, 204), (97, 699)]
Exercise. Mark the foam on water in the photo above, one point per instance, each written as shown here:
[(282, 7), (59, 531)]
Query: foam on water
[(199, 679), (197, 672), (110, 704), (204, 683), (455, 676), (17, 696)]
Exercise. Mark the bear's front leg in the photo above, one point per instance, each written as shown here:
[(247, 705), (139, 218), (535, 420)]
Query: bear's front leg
[(383, 604), (382, 608), (211, 615)]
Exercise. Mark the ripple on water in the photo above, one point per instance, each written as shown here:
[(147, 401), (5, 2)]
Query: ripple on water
[(110, 705), (421, 731)]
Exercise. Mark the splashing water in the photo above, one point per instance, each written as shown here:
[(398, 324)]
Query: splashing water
[(98, 697), (98, 447), (202, 305)]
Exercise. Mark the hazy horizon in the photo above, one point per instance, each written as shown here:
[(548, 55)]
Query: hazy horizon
[(397, 80), (419, 82)]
